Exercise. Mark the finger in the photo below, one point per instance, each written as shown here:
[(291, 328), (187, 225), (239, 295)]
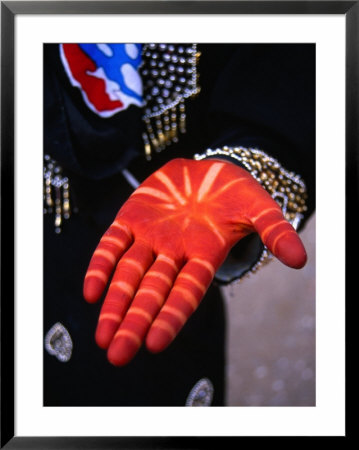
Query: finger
[(127, 277), (280, 237), (110, 248), (149, 299), (184, 298)]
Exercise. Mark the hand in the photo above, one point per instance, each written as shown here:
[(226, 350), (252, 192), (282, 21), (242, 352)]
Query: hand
[(167, 242)]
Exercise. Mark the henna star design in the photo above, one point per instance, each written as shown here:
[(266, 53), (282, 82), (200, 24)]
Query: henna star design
[(166, 244)]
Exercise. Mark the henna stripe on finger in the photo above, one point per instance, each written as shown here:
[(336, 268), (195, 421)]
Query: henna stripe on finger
[(128, 334), (110, 248), (264, 213), (127, 277), (121, 227), (111, 316), (164, 325), (281, 236), (153, 293), (187, 296), (115, 241), (141, 312), (97, 273), (135, 264), (175, 312), (271, 228), (160, 276), (193, 280), (107, 254), (206, 264), (124, 287), (167, 260)]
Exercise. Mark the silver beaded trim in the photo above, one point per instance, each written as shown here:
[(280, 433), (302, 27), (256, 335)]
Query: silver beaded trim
[(201, 394), (286, 188), (58, 342), (56, 193), (170, 76)]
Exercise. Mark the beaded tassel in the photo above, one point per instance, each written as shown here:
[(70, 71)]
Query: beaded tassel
[(170, 76), (56, 193)]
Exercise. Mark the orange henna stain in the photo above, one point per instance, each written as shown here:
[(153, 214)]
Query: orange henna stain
[(167, 260), (153, 293), (111, 316), (226, 187), (208, 180), (161, 276), (175, 312), (193, 280), (141, 312), (170, 186), (119, 226), (187, 296), (215, 230), (164, 325), (281, 235), (205, 264), (263, 213), (269, 228), (187, 182), (113, 240), (106, 254), (135, 264), (128, 334), (126, 288), (152, 192), (97, 273)]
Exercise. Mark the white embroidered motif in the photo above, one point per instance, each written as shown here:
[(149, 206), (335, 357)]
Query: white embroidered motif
[(201, 394), (58, 342)]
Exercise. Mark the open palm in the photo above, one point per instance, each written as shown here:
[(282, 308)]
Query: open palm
[(166, 244)]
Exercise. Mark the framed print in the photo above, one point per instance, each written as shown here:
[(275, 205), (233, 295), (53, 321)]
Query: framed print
[(152, 154)]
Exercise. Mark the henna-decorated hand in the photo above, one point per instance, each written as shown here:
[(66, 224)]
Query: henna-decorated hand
[(167, 242)]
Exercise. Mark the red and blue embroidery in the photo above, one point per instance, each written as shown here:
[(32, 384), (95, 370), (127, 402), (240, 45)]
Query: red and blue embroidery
[(106, 74)]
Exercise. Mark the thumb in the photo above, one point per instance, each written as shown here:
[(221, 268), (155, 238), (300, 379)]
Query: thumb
[(280, 237)]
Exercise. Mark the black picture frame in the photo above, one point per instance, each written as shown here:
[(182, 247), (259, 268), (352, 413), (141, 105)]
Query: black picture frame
[(9, 10)]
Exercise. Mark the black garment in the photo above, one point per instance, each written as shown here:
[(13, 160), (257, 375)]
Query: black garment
[(251, 95)]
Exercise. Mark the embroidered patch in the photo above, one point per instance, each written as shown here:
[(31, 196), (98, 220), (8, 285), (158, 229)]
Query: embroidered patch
[(58, 342), (106, 74), (201, 394)]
